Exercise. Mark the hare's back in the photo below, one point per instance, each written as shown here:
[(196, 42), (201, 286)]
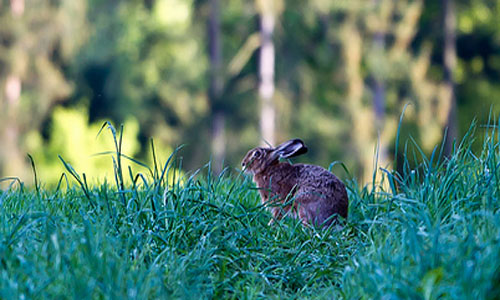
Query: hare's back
[(316, 177), (322, 191)]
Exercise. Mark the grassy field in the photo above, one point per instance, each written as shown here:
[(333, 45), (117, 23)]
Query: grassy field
[(433, 232)]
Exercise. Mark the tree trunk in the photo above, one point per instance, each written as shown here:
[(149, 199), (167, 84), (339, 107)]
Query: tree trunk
[(266, 77), (379, 98), (12, 163), (17, 7), (450, 58), (361, 117), (216, 85)]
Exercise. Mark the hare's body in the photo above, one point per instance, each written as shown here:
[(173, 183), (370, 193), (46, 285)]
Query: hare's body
[(306, 191)]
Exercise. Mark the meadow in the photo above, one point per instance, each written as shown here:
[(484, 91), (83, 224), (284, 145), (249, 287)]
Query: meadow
[(430, 232)]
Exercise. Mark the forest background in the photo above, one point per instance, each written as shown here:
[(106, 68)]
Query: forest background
[(222, 76)]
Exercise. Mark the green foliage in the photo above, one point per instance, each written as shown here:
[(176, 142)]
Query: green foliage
[(145, 62), (80, 145), (433, 233), (34, 46)]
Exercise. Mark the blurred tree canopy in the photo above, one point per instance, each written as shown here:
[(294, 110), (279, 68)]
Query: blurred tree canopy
[(343, 71)]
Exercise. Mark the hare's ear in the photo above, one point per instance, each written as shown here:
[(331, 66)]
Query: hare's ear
[(291, 148)]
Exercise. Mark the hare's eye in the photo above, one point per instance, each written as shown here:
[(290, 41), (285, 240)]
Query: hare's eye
[(257, 154)]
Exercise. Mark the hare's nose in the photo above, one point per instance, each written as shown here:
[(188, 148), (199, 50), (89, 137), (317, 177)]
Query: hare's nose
[(243, 164)]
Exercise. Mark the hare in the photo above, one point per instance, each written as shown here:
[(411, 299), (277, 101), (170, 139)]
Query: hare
[(310, 192)]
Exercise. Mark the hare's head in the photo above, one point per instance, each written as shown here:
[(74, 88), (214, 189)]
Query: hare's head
[(258, 159)]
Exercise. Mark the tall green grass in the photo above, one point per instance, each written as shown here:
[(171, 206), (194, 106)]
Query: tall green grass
[(431, 232)]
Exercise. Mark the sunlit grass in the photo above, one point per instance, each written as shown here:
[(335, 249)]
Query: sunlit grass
[(433, 233)]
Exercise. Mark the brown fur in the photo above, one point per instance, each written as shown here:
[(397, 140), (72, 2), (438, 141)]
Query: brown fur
[(311, 192)]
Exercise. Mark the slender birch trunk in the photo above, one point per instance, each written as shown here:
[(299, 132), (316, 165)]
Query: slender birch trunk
[(215, 93), (266, 75)]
